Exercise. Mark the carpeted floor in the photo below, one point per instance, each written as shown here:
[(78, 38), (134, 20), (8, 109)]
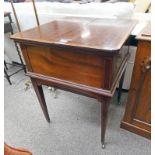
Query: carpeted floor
[(74, 127)]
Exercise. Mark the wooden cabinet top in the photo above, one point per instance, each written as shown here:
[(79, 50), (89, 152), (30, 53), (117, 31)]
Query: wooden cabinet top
[(100, 34)]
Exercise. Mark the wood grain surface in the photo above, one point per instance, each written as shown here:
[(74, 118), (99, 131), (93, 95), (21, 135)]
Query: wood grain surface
[(79, 55), (101, 34)]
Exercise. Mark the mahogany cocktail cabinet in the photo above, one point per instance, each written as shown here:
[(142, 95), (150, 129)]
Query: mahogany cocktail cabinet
[(78, 55)]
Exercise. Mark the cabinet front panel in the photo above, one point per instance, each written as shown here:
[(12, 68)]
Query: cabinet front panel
[(142, 84), (137, 116), (143, 110), (83, 68)]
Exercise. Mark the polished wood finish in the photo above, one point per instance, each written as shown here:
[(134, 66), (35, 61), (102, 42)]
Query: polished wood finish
[(104, 117), (137, 116), (39, 92), (83, 56), (100, 34)]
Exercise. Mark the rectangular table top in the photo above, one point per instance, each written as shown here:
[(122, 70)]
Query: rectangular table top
[(100, 34)]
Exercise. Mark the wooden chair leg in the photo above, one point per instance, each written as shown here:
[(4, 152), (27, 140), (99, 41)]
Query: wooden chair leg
[(39, 92)]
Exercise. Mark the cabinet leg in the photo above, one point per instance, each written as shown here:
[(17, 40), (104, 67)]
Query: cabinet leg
[(39, 92), (120, 88), (104, 116)]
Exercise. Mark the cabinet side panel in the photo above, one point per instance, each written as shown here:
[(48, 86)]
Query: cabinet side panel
[(26, 57)]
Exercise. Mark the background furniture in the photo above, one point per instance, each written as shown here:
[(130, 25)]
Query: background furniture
[(8, 29), (137, 116), (83, 56)]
